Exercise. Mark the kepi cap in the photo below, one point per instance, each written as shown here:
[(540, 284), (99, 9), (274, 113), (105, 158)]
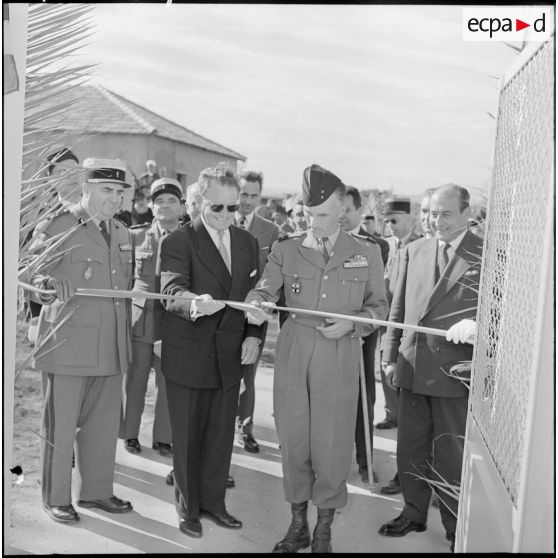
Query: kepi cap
[(166, 186), (397, 205), (98, 171), (318, 184)]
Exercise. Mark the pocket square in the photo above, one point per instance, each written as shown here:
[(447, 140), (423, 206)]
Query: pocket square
[(253, 273)]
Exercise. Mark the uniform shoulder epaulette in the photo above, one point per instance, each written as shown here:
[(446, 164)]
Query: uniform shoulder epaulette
[(142, 226), (289, 236)]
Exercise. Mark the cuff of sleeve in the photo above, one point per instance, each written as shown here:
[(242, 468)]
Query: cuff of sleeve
[(193, 314)]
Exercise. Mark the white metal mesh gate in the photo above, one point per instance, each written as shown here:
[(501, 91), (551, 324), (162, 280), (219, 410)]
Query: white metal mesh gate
[(510, 290)]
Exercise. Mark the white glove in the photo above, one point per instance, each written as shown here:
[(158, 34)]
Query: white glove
[(462, 332), (204, 305)]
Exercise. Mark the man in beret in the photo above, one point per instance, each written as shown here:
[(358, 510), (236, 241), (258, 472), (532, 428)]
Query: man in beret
[(84, 344), (147, 316), (316, 379)]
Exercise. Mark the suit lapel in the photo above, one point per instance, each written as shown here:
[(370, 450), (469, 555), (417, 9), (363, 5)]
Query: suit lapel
[(209, 255), (464, 258), (313, 256)]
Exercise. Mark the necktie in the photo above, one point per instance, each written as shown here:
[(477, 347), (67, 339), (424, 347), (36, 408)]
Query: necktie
[(322, 243), (104, 231), (242, 222), (443, 258), (223, 251)]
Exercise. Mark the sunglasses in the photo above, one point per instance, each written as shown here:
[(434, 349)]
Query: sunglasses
[(218, 207)]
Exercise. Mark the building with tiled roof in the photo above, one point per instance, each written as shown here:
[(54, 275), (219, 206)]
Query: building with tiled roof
[(100, 123)]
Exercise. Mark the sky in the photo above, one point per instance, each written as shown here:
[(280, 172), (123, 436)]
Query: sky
[(386, 97)]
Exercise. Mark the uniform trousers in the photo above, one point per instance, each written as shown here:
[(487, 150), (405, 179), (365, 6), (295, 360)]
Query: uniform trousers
[(203, 426), (369, 356), (315, 394), (247, 396), (143, 359), (431, 431), (84, 409)]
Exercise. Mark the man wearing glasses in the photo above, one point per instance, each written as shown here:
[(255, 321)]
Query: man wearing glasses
[(205, 346), (399, 223)]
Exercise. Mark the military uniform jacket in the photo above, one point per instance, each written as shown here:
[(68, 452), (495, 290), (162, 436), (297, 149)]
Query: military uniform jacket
[(147, 314), (93, 334), (206, 353), (351, 282), (423, 360)]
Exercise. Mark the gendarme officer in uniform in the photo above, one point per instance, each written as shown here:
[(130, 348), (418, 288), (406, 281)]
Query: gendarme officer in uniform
[(84, 344), (316, 381), (147, 318)]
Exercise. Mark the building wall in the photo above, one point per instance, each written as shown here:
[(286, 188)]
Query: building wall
[(135, 150)]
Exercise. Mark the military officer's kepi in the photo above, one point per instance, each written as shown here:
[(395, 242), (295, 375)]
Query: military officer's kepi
[(105, 170), (166, 186), (397, 205), (318, 184)]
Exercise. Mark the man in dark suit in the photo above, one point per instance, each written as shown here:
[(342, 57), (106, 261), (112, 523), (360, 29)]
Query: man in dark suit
[(266, 233), (350, 221), (437, 287), (205, 346)]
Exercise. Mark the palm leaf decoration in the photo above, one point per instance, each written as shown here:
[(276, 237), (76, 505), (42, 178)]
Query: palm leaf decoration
[(56, 33)]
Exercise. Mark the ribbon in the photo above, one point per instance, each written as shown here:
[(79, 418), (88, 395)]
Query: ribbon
[(108, 293)]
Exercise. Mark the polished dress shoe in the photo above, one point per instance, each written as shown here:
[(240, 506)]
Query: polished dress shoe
[(170, 478), (62, 514), (190, 526), (111, 505), (392, 487), (248, 442), (132, 445), (164, 449), (400, 526), (386, 424), (230, 482), (224, 519)]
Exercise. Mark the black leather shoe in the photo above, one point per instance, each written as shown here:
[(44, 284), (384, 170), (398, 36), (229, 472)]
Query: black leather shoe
[(451, 538), (132, 445), (230, 482), (248, 442), (111, 505), (224, 519), (190, 526), (164, 449), (400, 526), (62, 514), (386, 424), (170, 478), (392, 487)]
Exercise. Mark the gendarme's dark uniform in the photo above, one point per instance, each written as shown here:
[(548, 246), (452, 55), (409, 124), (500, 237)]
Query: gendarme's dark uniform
[(147, 318), (85, 358)]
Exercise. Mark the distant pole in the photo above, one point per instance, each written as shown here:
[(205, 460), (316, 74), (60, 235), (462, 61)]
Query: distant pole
[(15, 29)]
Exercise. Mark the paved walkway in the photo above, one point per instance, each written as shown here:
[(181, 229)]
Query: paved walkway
[(257, 500)]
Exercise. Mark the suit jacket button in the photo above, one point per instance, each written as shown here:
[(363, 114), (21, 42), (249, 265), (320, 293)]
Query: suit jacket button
[(211, 355)]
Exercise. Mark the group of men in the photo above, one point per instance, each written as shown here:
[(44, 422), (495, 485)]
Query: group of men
[(209, 347)]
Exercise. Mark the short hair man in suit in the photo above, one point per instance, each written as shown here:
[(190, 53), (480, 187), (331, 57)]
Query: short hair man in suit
[(266, 233), (205, 346), (437, 287)]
